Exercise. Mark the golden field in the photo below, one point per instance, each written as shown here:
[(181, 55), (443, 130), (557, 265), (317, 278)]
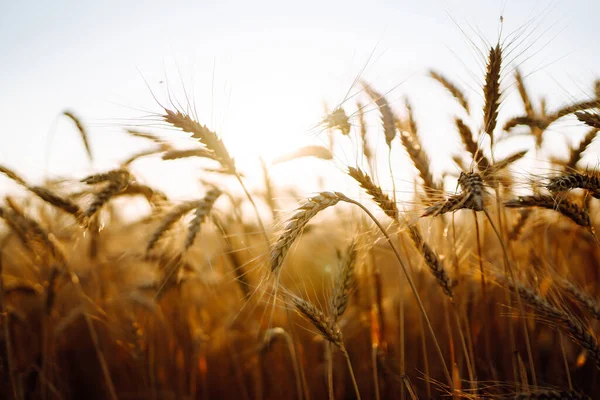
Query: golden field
[(486, 288)]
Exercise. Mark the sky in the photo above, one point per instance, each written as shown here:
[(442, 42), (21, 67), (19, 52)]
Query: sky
[(260, 73)]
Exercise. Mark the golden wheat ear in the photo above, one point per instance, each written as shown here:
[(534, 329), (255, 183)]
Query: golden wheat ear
[(466, 135), (338, 120), (387, 116), (345, 283), (178, 154), (562, 319), (420, 159), (204, 135), (82, 132), (116, 182), (457, 93), (576, 153), (296, 224), (169, 220), (589, 182), (562, 205), (436, 267), (202, 211), (384, 202), (320, 152), (491, 91), (57, 201)]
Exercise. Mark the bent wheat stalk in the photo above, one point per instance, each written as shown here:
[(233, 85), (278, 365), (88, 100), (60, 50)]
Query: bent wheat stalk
[(319, 203)]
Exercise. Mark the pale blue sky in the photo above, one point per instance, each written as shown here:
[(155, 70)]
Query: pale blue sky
[(274, 64)]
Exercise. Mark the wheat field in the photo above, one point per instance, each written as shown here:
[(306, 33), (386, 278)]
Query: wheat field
[(485, 289)]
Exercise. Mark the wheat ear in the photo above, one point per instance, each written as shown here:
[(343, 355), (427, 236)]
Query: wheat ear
[(414, 148), (452, 89), (319, 203), (576, 180), (200, 153), (577, 152), (338, 119), (204, 208), (320, 152), (585, 300), (436, 267), (545, 120), (387, 116), (207, 137), (169, 220), (57, 201), (82, 132), (565, 321), (471, 146), (345, 283), (296, 224), (491, 91), (212, 142), (383, 200), (118, 180), (328, 329), (564, 206), (363, 134)]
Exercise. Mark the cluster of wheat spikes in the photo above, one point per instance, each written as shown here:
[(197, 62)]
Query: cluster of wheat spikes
[(484, 291)]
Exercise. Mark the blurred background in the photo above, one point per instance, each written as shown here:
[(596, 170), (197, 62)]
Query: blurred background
[(262, 73)]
